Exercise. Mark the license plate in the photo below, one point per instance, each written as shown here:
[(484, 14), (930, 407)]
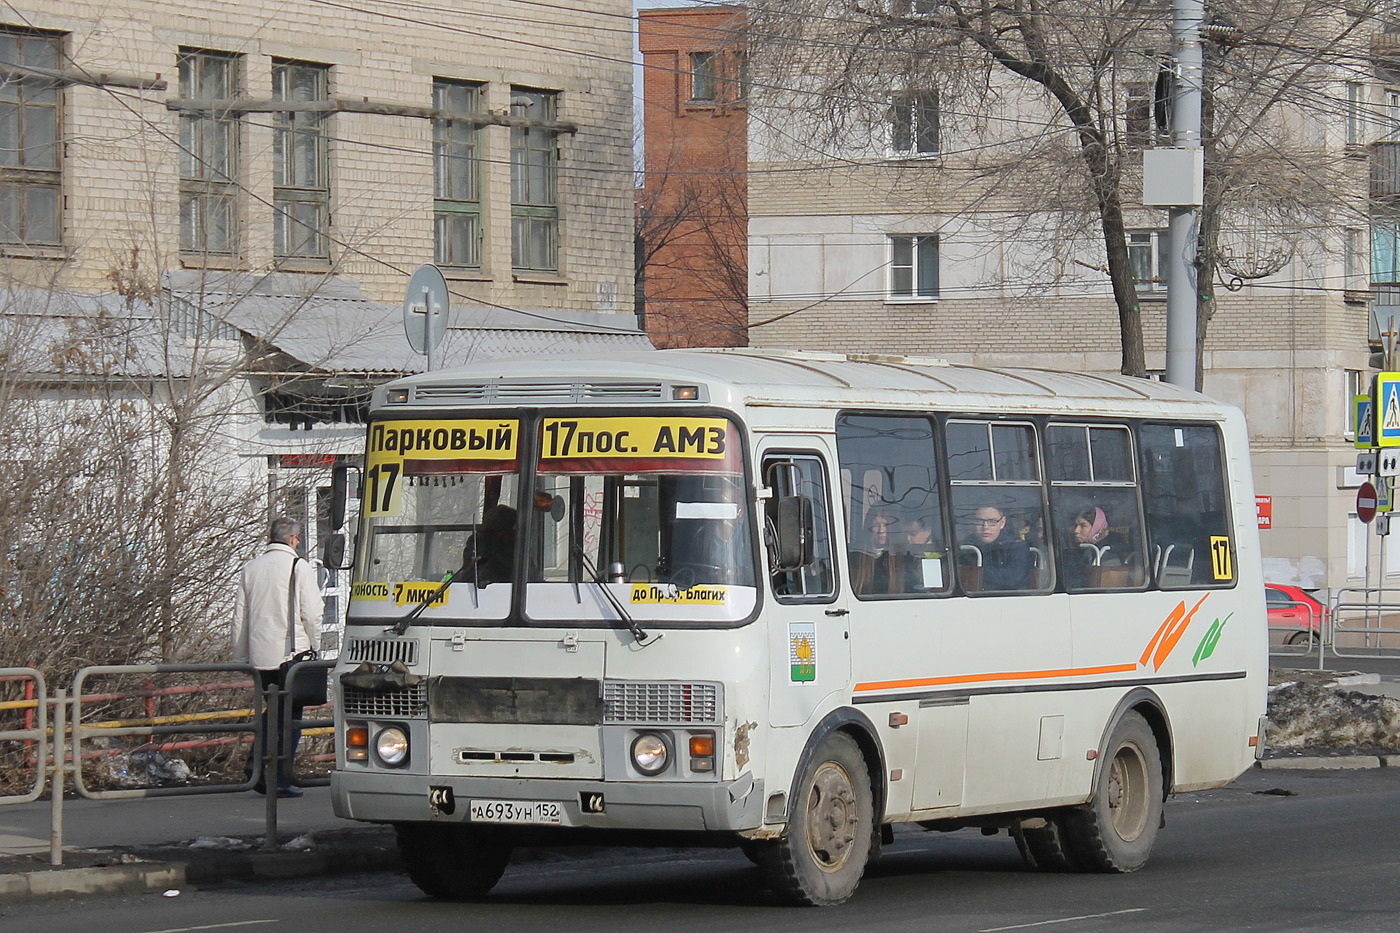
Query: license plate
[(515, 811)]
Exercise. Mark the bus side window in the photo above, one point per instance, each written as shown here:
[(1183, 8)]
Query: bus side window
[(1188, 519), (998, 507), (896, 529), (797, 475), (1095, 504)]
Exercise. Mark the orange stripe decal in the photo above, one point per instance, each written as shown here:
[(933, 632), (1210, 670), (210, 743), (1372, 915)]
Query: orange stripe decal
[(986, 678), (1178, 629)]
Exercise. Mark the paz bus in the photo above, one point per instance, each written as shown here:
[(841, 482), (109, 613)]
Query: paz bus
[(785, 601)]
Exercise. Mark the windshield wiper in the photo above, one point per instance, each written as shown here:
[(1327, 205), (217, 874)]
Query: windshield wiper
[(632, 625), (401, 626)]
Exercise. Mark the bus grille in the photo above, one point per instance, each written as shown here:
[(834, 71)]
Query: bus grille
[(520, 392), (660, 702), (384, 651), (412, 701)]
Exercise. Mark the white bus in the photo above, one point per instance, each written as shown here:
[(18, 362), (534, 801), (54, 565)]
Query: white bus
[(787, 600)]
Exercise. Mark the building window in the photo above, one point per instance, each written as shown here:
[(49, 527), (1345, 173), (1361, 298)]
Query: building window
[(913, 7), (1385, 250), (1147, 254), (457, 174), (30, 181), (301, 192), (702, 75), (209, 144), (1392, 114), (914, 123), (1356, 385), (741, 71), (914, 266), (534, 181), (1356, 103), (1137, 116), (1353, 261)]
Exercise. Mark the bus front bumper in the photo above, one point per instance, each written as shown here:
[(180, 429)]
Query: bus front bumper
[(663, 806)]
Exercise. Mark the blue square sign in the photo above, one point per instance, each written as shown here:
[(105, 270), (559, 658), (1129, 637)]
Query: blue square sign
[(1386, 414)]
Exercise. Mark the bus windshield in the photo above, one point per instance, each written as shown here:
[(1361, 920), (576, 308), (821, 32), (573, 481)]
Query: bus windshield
[(652, 508), (439, 498)]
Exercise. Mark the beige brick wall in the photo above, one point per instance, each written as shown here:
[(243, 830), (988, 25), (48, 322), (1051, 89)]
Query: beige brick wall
[(120, 171)]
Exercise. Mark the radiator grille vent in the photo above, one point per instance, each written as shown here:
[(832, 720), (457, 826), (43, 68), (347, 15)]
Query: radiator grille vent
[(384, 650), (503, 392), (411, 702), (661, 702)]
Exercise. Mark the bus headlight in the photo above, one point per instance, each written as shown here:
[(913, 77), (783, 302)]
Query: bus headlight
[(650, 754), (391, 746)]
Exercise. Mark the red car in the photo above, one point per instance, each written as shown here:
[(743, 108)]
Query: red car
[(1295, 618)]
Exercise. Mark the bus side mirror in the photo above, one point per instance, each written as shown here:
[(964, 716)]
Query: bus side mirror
[(340, 495), (333, 552), (796, 530)]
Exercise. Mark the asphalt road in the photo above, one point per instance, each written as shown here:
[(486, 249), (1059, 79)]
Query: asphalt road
[(1319, 853)]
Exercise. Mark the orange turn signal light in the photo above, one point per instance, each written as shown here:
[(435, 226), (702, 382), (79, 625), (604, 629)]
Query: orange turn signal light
[(702, 746), (357, 736)]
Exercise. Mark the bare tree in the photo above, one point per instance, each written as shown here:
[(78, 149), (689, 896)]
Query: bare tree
[(1053, 94)]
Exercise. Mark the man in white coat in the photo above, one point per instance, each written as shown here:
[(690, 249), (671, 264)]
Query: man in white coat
[(277, 613)]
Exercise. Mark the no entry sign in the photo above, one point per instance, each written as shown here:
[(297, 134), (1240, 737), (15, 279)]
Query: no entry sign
[(1366, 502)]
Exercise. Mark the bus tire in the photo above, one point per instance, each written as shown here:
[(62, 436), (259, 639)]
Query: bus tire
[(451, 861), (1046, 847), (821, 856), (1115, 830)]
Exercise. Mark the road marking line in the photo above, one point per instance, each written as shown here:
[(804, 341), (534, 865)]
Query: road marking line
[(215, 926), (1042, 923)]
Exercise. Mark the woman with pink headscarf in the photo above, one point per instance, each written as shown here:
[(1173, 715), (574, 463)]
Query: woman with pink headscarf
[(1090, 544)]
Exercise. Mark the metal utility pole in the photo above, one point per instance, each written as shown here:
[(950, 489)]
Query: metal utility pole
[(1185, 219)]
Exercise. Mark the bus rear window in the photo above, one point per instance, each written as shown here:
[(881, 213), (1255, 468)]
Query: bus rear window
[(1184, 497)]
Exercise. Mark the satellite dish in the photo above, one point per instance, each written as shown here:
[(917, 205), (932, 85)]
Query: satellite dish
[(426, 305)]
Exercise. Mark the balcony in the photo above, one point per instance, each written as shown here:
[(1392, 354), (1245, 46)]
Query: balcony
[(1385, 171)]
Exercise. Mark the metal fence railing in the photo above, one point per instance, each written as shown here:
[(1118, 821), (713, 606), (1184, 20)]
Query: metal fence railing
[(154, 730), (24, 734), (1365, 623)]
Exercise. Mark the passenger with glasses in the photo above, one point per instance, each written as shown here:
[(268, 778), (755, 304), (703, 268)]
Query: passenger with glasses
[(1006, 558)]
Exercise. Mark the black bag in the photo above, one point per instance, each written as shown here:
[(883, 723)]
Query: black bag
[(310, 686)]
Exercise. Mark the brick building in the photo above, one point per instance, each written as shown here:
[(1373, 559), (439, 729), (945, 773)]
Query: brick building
[(691, 211), (899, 235), (246, 186)]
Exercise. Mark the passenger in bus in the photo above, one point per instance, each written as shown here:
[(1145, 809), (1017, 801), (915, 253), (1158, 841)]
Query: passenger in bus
[(1006, 558), (490, 554), (923, 558), (875, 571), (1093, 549)]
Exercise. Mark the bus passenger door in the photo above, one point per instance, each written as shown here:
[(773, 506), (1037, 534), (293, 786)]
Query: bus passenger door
[(808, 630)]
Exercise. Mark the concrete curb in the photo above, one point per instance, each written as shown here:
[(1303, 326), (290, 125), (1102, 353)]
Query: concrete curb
[(96, 879), (155, 869), (1329, 763)]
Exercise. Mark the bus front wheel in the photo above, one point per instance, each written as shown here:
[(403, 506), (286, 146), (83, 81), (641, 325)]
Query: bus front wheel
[(1115, 830), (452, 861), (821, 856)]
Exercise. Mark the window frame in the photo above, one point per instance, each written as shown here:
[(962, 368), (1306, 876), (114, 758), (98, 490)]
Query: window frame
[(204, 186), (824, 513), (535, 213), (1095, 483), (894, 292), (939, 492), (25, 180), (704, 77), (449, 152), (916, 120), (1158, 248), (1148, 493), (292, 130)]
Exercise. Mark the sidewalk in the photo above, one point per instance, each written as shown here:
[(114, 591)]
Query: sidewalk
[(163, 843)]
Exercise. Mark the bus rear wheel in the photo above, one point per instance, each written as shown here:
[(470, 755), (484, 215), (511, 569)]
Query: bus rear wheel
[(450, 860), (1115, 830), (820, 858), (1044, 843)]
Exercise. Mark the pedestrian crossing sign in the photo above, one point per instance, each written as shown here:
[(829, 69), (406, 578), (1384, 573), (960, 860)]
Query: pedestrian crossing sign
[(1386, 413), (1361, 406)]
